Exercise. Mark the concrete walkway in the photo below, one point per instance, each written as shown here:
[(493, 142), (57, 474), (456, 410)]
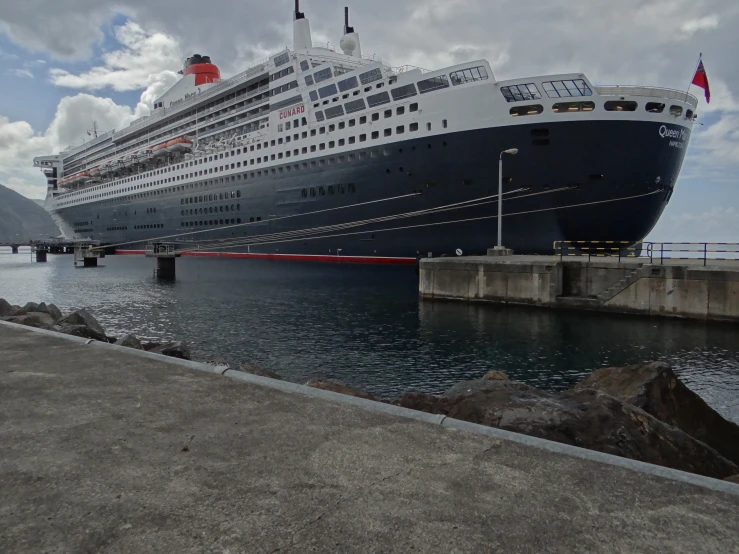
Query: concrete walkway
[(104, 450)]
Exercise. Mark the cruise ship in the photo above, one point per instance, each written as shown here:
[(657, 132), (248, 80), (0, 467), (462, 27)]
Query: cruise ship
[(327, 155)]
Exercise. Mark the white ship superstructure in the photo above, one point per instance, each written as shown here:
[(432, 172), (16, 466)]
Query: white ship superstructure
[(312, 131)]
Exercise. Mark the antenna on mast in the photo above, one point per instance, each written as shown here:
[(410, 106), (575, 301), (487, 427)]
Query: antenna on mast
[(347, 28), (298, 13), (302, 39)]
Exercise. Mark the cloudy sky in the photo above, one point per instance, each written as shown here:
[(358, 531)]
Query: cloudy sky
[(66, 63)]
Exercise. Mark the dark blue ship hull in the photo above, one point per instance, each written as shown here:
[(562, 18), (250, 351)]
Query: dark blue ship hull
[(589, 181)]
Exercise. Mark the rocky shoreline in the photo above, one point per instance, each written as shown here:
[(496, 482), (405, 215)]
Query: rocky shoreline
[(642, 412)]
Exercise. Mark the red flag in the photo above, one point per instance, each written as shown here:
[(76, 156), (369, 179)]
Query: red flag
[(701, 80)]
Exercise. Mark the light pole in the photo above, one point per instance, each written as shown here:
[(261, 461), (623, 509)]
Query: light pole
[(512, 152)]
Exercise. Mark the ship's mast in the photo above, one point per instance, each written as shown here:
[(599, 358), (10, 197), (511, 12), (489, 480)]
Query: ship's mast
[(302, 39)]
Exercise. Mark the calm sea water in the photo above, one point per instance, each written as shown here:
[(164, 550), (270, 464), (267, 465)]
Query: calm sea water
[(365, 325)]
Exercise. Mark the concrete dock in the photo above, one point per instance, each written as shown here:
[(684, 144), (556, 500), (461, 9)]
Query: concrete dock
[(106, 449), (673, 288)]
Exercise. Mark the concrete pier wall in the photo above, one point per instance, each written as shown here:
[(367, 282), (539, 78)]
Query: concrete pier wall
[(685, 291)]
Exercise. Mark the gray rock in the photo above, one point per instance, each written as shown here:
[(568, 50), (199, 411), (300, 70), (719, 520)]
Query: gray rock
[(6, 310), (176, 349), (30, 307), (733, 479), (494, 375), (33, 319), (50, 309), (149, 346), (656, 389), (83, 317), (260, 372), (83, 331), (585, 418), (129, 341)]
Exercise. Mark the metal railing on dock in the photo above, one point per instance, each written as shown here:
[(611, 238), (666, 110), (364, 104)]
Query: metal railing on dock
[(653, 251)]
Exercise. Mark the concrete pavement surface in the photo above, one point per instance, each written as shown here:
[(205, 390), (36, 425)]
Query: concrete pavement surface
[(106, 451)]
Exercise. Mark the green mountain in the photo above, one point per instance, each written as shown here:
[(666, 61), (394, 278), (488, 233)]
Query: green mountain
[(22, 219)]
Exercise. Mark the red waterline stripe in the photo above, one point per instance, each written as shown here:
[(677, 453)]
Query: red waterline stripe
[(292, 257)]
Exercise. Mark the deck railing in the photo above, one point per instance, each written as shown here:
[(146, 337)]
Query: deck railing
[(657, 92), (654, 252)]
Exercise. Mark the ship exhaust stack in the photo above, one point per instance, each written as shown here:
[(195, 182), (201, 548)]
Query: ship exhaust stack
[(350, 44), (302, 39)]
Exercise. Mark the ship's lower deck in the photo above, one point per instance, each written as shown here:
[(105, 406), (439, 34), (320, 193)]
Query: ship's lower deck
[(589, 180)]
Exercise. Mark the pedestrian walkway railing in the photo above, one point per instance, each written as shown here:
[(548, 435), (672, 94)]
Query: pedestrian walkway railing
[(654, 252)]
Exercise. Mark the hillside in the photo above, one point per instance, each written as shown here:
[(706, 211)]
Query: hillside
[(22, 219)]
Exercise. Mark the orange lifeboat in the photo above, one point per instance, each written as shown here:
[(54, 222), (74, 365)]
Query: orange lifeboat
[(179, 145), (95, 171), (159, 150)]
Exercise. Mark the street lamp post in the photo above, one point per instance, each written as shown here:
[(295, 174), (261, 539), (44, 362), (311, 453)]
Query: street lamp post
[(512, 152)]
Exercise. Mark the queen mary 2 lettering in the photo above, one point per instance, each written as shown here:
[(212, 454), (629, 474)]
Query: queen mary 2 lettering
[(323, 155)]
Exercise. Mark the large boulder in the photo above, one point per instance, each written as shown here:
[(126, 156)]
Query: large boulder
[(50, 309), (34, 319), (30, 307), (338, 387), (6, 310), (129, 341), (656, 389), (83, 317), (585, 418), (176, 349), (83, 331)]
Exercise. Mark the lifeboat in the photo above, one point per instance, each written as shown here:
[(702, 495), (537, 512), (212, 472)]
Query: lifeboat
[(95, 171), (160, 150), (129, 159), (179, 145), (119, 163), (82, 177)]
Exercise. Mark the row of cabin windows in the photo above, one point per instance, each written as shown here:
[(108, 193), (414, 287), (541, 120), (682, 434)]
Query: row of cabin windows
[(117, 229), (400, 110), (610, 106), (211, 197), (213, 222), (330, 190), (150, 226), (212, 210), (554, 89)]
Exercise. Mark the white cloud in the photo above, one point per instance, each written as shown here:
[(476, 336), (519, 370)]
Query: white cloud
[(23, 73), (702, 24), (19, 143), (129, 68)]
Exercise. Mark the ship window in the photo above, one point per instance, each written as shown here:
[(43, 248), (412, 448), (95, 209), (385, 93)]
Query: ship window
[(304, 66), (378, 99), (348, 84), (342, 142), (334, 111), (444, 123), (469, 75), (370, 76), (309, 80), (428, 126), (352, 140), (328, 90), (565, 107), (375, 135), (400, 110), (413, 107), (319, 117), (354, 106), (323, 146), (388, 113), (331, 128), (689, 114), (375, 117), (388, 132), (322, 75), (527, 110), (331, 144), (313, 96), (322, 130), (413, 127), (405, 91), (400, 129), (363, 120), (519, 93), (620, 106), (362, 138), (676, 110), (433, 83), (563, 89), (655, 107)]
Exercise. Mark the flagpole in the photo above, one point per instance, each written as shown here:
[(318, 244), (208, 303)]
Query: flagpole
[(700, 57)]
